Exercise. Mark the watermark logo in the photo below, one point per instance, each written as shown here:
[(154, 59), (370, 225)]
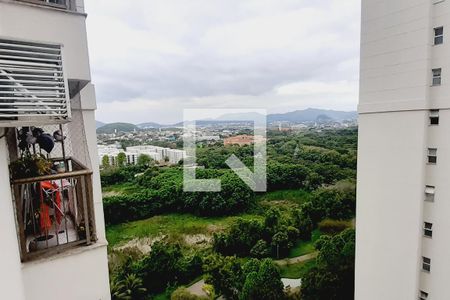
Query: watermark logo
[(256, 179)]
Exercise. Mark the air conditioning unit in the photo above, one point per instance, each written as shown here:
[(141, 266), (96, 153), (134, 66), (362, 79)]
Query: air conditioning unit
[(33, 87)]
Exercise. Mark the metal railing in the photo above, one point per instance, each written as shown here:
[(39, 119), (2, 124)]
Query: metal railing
[(54, 212), (53, 3)]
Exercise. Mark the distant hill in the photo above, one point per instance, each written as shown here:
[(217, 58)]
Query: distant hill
[(298, 116), (148, 125), (312, 115), (99, 124), (120, 127)]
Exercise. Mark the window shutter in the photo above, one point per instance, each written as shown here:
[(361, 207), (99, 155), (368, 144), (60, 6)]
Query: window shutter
[(33, 88)]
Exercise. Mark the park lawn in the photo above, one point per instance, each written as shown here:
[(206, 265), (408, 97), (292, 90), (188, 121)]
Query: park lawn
[(305, 247), (297, 270), (172, 225)]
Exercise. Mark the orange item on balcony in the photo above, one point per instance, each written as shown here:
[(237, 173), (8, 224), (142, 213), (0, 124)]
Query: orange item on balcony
[(51, 189)]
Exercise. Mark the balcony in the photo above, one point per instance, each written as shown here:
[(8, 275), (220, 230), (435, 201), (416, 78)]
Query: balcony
[(54, 212)]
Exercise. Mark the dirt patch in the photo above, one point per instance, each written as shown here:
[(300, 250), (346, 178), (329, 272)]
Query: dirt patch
[(144, 245), (197, 240)]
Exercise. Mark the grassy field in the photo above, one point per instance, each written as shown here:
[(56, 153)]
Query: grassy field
[(297, 270), (172, 225), (305, 247)]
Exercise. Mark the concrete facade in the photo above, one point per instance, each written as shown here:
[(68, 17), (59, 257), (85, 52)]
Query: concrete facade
[(82, 272), (398, 54)]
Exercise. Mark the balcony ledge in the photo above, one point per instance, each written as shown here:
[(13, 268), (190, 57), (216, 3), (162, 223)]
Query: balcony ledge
[(67, 253), (44, 6)]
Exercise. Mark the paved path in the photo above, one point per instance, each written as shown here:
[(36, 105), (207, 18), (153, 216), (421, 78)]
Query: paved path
[(197, 288), (294, 260)]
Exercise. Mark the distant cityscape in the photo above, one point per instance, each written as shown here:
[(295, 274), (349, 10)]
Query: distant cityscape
[(164, 143)]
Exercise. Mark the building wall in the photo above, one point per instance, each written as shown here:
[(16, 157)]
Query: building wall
[(52, 26), (397, 56), (11, 285), (390, 193), (81, 273)]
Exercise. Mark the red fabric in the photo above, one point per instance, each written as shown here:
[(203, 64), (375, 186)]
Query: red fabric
[(45, 221)]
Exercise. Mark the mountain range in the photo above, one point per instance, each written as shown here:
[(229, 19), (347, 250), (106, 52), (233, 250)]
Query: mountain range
[(296, 117)]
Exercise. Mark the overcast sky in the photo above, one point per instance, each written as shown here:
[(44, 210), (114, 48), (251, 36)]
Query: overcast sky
[(152, 58)]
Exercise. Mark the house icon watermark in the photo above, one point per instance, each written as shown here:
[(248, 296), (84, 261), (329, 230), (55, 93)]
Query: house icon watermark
[(256, 179)]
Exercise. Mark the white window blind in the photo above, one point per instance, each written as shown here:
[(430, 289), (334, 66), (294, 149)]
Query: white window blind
[(33, 88)]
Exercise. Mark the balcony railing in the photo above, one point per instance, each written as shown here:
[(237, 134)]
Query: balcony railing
[(54, 212), (64, 4)]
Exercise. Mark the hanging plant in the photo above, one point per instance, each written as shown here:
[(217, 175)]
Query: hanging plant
[(30, 166)]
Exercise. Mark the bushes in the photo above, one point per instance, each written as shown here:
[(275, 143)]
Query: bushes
[(334, 276), (329, 226), (254, 280), (163, 192), (251, 237)]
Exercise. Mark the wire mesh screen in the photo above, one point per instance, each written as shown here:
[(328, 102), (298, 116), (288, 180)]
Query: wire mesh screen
[(58, 140)]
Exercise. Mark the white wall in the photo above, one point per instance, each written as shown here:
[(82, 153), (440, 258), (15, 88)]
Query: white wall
[(11, 285), (71, 276), (391, 162), (22, 21)]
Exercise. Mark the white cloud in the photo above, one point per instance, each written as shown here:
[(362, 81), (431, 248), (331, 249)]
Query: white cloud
[(152, 58)]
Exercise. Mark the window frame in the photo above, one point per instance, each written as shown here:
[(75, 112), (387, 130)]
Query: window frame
[(436, 77), (426, 264), (434, 116), (429, 196), (432, 158), (438, 38), (428, 229), (423, 295)]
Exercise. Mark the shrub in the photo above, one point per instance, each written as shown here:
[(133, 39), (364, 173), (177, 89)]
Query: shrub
[(329, 226)]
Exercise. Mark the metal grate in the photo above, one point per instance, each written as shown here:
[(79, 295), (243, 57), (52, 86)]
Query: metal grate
[(33, 88)]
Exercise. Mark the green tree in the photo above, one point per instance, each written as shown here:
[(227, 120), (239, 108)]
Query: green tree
[(260, 250), (333, 278), (130, 288), (144, 160), (105, 161), (280, 244), (263, 283), (121, 159)]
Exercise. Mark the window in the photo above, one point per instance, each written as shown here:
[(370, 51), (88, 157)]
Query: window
[(437, 76), (434, 117), (426, 264), (438, 35), (429, 193), (423, 295), (432, 155), (427, 229)]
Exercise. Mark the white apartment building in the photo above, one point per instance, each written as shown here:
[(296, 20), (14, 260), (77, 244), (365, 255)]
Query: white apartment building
[(403, 207), (133, 152), (51, 216)]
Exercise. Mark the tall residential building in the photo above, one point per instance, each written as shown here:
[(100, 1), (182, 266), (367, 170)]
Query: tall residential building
[(403, 207), (52, 233)]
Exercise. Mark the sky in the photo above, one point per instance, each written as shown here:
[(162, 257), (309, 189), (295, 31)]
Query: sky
[(151, 59)]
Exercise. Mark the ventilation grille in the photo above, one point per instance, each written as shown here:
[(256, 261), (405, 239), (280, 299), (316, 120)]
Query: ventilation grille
[(33, 88)]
